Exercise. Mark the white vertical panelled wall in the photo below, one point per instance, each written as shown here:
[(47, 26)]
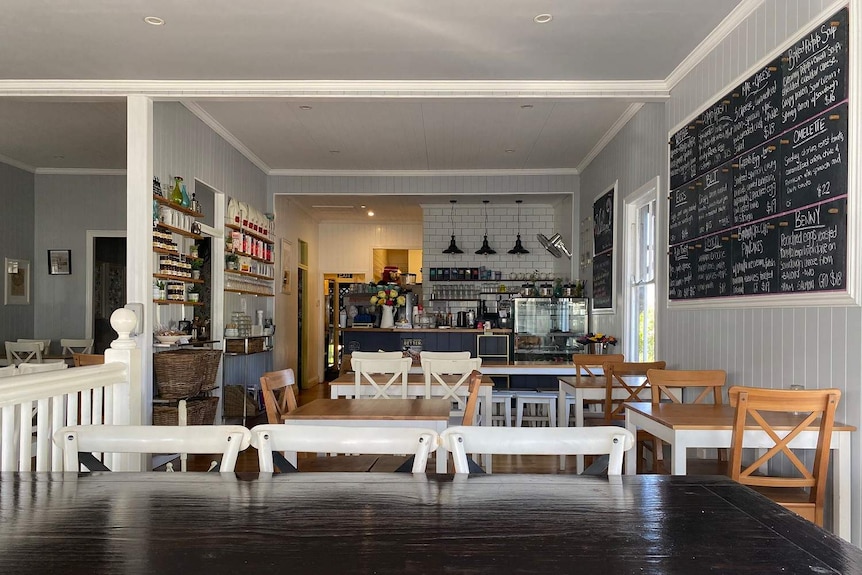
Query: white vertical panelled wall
[(17, 190)]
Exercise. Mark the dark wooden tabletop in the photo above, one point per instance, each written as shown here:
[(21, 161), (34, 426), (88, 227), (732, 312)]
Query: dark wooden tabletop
[(198, 523), (364, 409)]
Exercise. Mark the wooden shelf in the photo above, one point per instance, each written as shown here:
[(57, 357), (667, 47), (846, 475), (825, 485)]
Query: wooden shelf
[(243, 254), (174, 302), (177, 207), (249, 292), (249, 275), (179, 231), (170, 278), (264, 239), (166, 252)]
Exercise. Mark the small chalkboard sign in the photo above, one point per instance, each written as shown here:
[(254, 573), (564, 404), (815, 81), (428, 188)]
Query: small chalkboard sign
[(715, 135), (757, 108), (814, 71), (714, 200), (755, 259), (683, 156), (603, 281), (681, 264), (683, 214), (813, 254), (713, 261), (603, 222), (814, 159), (756, 183)]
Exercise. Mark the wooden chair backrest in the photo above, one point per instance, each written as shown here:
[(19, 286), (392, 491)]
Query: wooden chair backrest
[(76, 345), (383, 376), (18, 352), (661, 381), (279, 396), (587, 362), (80, 359), (619, 390), (752, 404), (472, 398), (346, 364)]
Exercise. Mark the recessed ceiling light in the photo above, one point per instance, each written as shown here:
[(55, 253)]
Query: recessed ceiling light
[(510, 151), (59, 157), (334, 151), (363, 207), (543, 18), (526, 106), (154, 21), (305, 107), (370, 213)]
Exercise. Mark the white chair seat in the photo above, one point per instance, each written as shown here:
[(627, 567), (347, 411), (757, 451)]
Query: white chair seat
[(501, 402), (536, 400)]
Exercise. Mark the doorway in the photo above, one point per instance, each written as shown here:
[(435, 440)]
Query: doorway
[(107, 275)]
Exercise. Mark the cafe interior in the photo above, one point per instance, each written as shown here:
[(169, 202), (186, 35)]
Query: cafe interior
[(571, 218)]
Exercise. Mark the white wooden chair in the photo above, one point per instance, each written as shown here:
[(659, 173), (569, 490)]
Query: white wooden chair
[(374, 355), (269, 440), (383, 375), (18, 352), (79, 442), (9, 371), (608, 440), (73, 346), (436, 368), (46, 343)]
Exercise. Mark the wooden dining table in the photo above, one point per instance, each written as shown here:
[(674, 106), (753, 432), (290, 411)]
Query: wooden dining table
[(706, 426), (426, 413), (399, 523)]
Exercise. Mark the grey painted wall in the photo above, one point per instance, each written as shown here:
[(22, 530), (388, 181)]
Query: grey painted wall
[(66, 206), (16, 241)]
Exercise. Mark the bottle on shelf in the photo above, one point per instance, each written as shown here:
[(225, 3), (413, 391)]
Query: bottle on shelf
[(176, 191)]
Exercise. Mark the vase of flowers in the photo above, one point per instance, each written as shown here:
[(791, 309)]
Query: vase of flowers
[(388, 299), (598, 342)]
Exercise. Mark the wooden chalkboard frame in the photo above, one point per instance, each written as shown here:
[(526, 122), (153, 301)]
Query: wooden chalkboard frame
[(602, 251), (851, 295)]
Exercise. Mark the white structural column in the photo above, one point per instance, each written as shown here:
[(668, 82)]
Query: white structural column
[(139, 229)]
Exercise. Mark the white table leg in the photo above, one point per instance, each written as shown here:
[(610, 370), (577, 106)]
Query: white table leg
[(631, 456), (562, 419), (678, 451), (841, 500), (486, 393)]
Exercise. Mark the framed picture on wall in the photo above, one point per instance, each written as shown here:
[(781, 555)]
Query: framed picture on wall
[(59, 262), (286, 266), (17, 290)]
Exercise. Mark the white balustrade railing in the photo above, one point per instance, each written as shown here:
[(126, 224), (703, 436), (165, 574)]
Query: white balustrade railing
[(34, 406)]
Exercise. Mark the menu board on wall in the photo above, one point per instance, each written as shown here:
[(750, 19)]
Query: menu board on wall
[(603, 242), (765, 211)]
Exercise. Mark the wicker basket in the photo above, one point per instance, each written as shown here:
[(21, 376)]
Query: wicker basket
[(178, 374), (235, 400), (200, 411), (211, 359), (255, 345)]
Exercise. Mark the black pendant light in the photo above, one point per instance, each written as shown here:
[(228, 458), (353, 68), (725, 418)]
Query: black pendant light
[(519, 249), (485, 249), (453, 247)]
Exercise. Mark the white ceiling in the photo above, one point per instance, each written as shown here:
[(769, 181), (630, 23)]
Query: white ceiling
[(430, 85)]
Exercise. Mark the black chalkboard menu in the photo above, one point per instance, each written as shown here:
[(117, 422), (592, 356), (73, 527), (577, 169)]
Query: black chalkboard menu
[(758, 200), (603, 246)]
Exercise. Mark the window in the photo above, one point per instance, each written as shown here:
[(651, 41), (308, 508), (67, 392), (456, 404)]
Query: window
[(641, 273)]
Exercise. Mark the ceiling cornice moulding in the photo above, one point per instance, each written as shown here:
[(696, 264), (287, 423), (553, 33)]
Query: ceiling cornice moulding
[(647, 90), (216, 127), (728, 25), (627, 115), (80, 172), (16, 164), (423, 173)]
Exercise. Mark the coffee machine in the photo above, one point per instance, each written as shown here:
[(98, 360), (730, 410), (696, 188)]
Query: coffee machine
[(504, 314)]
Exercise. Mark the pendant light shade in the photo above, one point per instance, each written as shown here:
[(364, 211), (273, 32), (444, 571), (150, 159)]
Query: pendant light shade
[(453, 247), (519, 249), (485, 249)]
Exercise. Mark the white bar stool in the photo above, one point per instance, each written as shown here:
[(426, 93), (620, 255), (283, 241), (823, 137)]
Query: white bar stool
[(503, 400), (536, 399)]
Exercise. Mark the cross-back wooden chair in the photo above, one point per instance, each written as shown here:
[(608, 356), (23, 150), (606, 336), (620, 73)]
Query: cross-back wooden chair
[(709, 382), (587, 366), (23, 352), (782, 414), (382, 376), (625, 381), (73, 346), (81, 359), (435, 371), (279, 396)]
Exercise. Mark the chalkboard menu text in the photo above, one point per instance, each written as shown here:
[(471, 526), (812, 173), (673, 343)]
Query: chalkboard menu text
[(603, 242), (758, 200)]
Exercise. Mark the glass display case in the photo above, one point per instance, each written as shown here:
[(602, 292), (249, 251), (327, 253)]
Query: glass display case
[(546, 329)]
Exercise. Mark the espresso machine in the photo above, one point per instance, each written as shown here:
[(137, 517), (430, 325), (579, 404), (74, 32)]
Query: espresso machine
[(504, 314)]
